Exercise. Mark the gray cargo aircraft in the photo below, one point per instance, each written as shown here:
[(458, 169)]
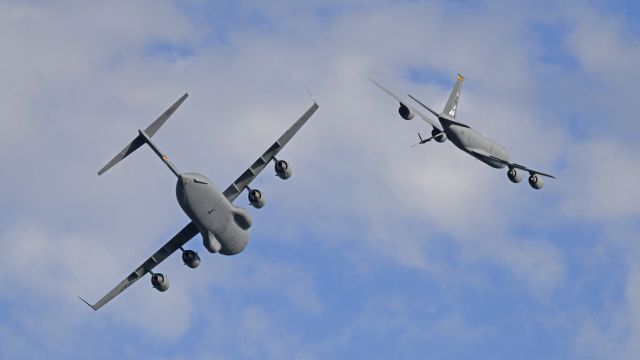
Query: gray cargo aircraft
[(465, 138), (223, 226)]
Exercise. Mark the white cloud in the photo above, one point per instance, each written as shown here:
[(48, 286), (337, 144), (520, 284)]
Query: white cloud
[(82, 83)]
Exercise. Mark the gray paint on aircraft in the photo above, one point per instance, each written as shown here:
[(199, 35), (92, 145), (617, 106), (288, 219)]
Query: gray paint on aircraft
[(464, 137), (224, 227)]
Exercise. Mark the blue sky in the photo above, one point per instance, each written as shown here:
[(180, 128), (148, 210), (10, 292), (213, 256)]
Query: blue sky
[(372, 249)]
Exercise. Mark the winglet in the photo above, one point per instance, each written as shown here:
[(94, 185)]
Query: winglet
[(311, 96), (85, 301)]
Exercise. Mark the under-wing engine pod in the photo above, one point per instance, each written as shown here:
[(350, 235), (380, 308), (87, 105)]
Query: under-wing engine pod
[(283, 169), (256, 199), (405, 112), (191, 258), (514, 175), (440, 136), (536, 181), (160, 282)]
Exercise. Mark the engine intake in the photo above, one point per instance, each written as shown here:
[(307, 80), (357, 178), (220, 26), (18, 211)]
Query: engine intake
[(514, 175), (405, 112), (536, 181), (283, 170), (191, 258), (438, 135), (160, 282), (256, 199)]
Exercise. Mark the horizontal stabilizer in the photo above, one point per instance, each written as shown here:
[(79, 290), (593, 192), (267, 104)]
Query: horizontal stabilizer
[(131, 147), (151, 129), (140, 140)]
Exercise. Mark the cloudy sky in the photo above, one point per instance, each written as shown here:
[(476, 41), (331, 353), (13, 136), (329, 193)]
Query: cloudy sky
[(372, 249)]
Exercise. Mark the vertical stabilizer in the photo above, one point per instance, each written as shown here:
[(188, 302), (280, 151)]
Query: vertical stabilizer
[(452, 104)]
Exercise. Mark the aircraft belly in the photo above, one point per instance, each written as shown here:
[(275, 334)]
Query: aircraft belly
[(478, 145), (456, 136), (492, 163), (211, 212)]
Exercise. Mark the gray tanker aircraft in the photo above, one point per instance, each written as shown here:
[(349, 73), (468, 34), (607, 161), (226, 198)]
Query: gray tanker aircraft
[(465, 138), (224, 227)]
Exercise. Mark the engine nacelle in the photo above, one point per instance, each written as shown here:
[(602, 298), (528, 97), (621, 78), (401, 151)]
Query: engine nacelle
[(256, 199), (514, 175), (190, 258), (160, 282), (283, 169), (536, 181), (405, 112), (439, 138)]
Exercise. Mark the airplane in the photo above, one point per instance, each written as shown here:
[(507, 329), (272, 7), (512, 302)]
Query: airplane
[(224, 227), (465, 138)]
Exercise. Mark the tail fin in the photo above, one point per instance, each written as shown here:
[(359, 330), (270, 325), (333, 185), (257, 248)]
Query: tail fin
[(452, 104), (140, 139)]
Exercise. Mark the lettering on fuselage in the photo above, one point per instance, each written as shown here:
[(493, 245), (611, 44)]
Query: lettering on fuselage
[(453, 109)]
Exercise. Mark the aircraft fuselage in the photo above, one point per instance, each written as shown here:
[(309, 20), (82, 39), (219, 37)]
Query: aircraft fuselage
[(475, 143), (224, 227)]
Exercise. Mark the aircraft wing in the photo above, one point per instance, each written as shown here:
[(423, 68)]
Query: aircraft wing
[(531, 171), (423, 116), (232, 192), (181, 238), (512, 165)]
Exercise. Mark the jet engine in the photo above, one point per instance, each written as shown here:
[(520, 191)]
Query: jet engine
[(283, 170), (405, 112), (256, 199), (438, 135), (514, 175), (536, 181), (190, 258), (160, 282)]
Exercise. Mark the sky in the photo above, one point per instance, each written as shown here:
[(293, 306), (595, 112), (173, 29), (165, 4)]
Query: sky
[(372, 249)]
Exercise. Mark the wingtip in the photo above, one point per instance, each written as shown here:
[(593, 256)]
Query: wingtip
[(85, 301), (104, 169), (311, 96)]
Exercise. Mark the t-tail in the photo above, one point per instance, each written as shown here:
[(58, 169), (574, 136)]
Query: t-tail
[(144, 136)]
